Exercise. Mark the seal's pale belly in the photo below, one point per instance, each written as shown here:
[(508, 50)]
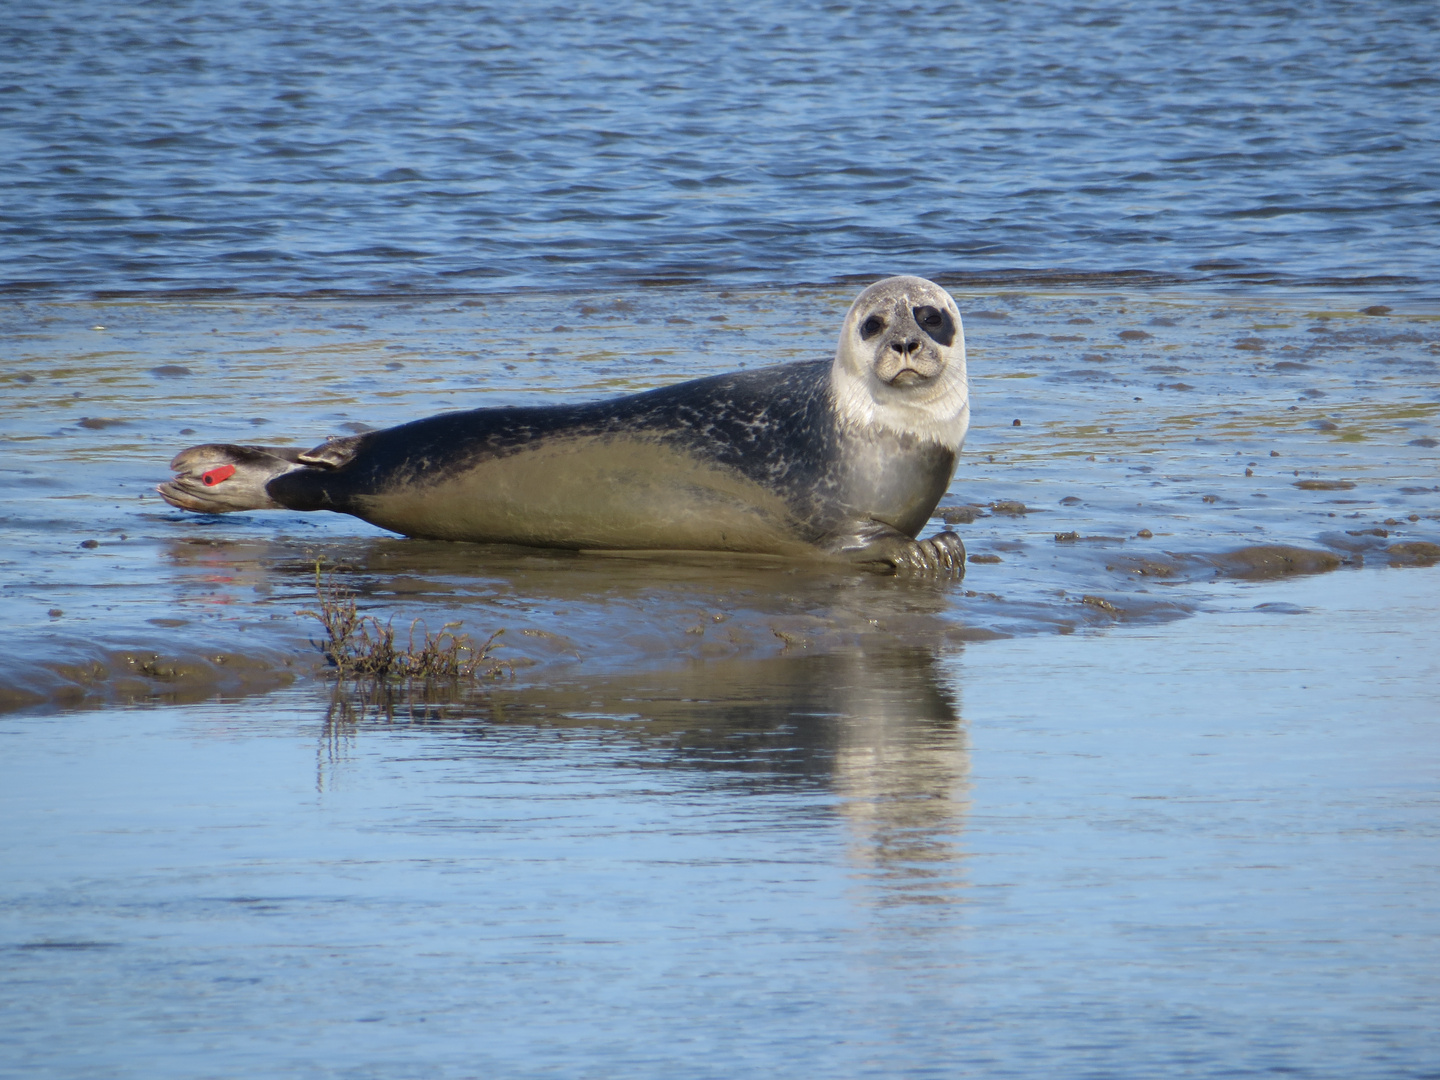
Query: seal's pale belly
[(591, 492)]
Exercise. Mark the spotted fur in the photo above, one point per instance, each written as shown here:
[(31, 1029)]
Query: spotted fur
[(846, 457)]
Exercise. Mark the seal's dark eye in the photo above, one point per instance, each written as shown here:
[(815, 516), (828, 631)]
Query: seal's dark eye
[(870, 327), (937, 323)]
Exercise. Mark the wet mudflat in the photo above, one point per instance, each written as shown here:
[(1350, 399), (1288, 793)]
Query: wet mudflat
[(1151, 790), (1203, 847), (1130, 455)]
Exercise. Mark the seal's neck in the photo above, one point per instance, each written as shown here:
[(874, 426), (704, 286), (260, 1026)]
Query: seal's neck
[(938, 412)]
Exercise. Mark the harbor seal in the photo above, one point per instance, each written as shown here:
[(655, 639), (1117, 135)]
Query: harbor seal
[(844, 458)]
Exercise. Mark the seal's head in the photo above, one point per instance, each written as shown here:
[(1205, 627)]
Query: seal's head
[(901, 362)]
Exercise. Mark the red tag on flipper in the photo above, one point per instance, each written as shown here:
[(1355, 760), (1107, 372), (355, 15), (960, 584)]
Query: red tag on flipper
[(217, 475)]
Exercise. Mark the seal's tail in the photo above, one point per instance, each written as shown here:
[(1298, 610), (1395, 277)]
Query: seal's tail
[(221, 478)]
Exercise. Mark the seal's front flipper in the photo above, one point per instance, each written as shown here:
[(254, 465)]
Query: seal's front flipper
[(876, 542), (942, 553), (221, 478)]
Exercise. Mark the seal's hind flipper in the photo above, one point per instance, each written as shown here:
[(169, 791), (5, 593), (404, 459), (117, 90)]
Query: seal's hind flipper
[(335, 451), (221, 478)]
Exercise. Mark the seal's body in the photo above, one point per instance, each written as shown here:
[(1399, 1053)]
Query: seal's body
[(846, 457)]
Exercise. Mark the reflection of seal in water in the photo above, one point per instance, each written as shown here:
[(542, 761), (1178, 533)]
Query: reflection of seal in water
[(846, 457)]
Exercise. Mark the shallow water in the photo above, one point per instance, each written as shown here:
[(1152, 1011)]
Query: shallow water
[(1150, 792), (1114, 805), (382, 148), (1205, 847), (1246, 439)]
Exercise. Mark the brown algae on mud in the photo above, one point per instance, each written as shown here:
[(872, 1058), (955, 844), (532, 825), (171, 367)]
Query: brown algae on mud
[(1275, 560), (360, 646), (1321, 427), (96, 677), (1415, 553)]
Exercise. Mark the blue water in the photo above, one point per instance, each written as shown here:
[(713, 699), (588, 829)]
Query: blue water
[(727, 821), (1042, 857), (377, 147)]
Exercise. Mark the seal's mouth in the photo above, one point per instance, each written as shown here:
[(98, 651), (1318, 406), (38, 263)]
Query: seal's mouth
[(907, 377)]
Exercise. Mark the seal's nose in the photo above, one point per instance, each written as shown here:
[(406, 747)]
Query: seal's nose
[(905, 348)]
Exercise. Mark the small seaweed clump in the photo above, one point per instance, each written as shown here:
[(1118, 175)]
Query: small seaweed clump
[(361, 646)]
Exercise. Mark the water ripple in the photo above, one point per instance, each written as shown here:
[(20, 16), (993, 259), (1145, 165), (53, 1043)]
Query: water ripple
[(368, 146)]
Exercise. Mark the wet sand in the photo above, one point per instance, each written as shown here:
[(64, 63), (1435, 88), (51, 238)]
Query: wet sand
[(1133, 457)]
